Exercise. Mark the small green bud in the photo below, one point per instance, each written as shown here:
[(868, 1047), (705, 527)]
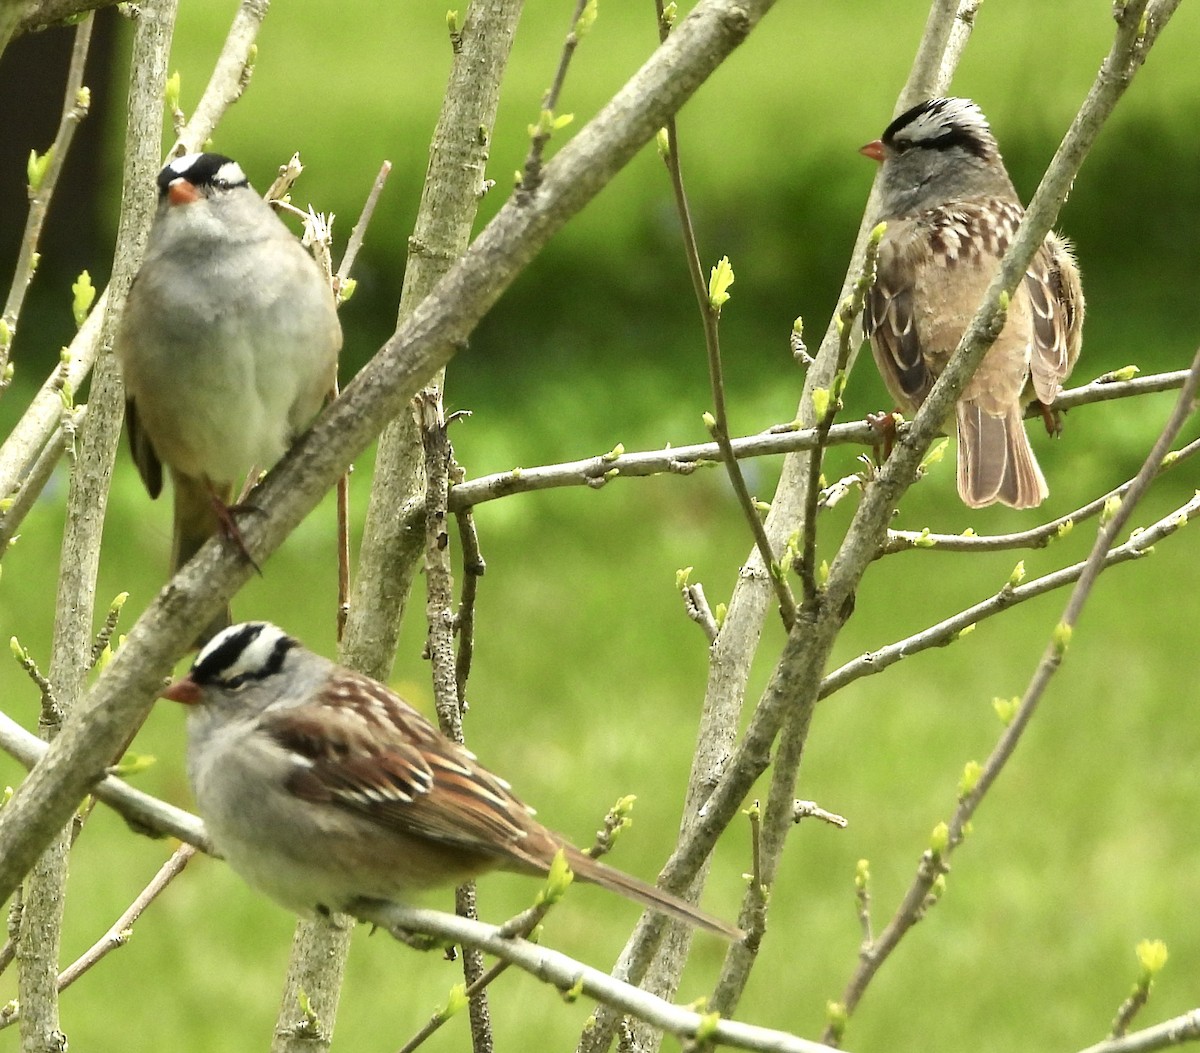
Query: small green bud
[(5, 333), (936, 891), (706, 1030), (966, 630), (1064, 528), (1115, 376), (453, 23), (969, 532), (878, 232), (1006, 709), (837, 1018), (925, 539), (1004, 301), (862, 873), (586, 19), (36, 168), (972, 771), (83, 98), (614, 453), (1112, 505), (934, 454), (84, 296), (1018, 574), (1152, 957), (1062, 638), (347, 289), (663, 141), (823, 574), (939, 839), (557, 881), (670, 13), (710, 422), (456, 1003), (134, 764), (171, 92), (762, 507), (682, 577), (719, 281), (572, 993), (18, 651), (719, 613), (753, 810), (820, 402)]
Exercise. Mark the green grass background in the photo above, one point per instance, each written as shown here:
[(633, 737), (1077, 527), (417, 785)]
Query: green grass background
[(588, 676)]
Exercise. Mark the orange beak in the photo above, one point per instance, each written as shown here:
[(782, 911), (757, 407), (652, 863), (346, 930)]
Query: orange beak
[(182, 690), (873, 150), (181, 192)]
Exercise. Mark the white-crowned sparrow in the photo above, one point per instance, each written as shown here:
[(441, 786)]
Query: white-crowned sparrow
[(228, 344), (951, 212), (322, 787)]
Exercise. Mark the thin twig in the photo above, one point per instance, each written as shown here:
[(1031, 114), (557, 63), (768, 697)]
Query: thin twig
[(1173, 1032), (76, 100), (439, 587), (531, 175), (849, 310), (120, 931), (596, 472), (710, 319), (473, 568), (359, 233), (1034, 538), (1009, 596)]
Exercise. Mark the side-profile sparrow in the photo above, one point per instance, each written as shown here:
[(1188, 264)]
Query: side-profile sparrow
[(951, 212), (321, 787), (228, 343)]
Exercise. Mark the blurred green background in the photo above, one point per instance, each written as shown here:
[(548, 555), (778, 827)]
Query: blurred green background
[(588, 676)]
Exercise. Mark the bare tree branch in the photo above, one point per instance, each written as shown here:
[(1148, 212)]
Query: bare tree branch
[(569, 975), (935, 861), (1173, 1032)]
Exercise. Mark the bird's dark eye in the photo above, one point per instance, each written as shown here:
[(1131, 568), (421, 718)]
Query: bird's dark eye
[(236, 683)]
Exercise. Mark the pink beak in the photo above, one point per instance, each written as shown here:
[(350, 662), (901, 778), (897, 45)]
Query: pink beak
[(181, 192), (183, 690), (873, 150)]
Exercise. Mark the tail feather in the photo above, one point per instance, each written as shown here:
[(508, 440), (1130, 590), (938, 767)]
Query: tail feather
[(195, 522), (995, 460), (588, 869)]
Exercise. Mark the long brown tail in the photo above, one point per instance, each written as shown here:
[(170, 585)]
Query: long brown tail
[(195, 522), (588, 869), (995, 460)]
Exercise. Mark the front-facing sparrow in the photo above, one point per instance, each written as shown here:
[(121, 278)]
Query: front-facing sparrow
[(228, 344)]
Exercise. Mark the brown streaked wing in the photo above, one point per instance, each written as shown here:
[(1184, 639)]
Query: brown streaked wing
[(888, 322), (1056, 296), (372, 753)]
